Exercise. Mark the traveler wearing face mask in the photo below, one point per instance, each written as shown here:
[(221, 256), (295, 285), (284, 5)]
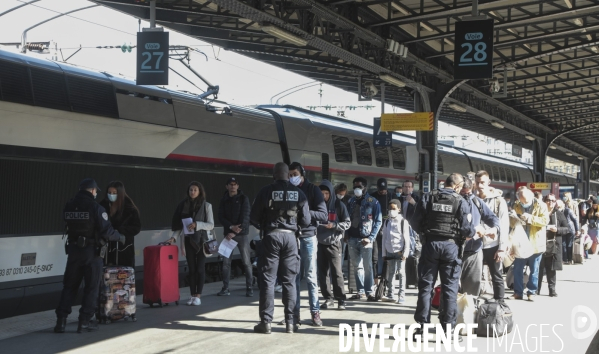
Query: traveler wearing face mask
[(124, 217), (308, 243), (408, 200), (88, 229), (536, 217), (366, 219), (341, 193), (396, 248)]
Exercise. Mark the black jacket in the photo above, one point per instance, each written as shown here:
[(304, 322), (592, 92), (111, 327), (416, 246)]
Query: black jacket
[(129, 225), (559, 219), (318, 208), (411, 208), (84, 201), (259, 215), (235, 210)]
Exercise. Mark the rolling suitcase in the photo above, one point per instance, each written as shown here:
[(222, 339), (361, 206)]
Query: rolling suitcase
[(411, 272), (578, 251), (161, 275), (117, 294)]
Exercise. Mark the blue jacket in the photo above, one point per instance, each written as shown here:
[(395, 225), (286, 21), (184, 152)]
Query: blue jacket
[(464, 215), (370, 212), (487, 217)]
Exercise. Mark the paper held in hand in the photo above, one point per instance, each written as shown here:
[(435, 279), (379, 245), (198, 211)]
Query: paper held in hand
[(226, 247), (186, 223)]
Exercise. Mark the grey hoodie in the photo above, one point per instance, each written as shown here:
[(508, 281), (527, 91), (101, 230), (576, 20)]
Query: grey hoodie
[(336, 210)]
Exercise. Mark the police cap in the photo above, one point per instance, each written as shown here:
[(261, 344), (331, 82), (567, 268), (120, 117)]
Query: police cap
[(88, 183)]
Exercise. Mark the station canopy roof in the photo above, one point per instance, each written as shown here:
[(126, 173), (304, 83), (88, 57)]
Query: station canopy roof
[(547, 49)]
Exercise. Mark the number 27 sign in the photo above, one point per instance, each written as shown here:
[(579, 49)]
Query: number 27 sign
[(473, 55), (152, 58)]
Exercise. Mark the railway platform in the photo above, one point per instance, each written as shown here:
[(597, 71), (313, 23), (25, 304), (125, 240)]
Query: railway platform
[(225, 325)]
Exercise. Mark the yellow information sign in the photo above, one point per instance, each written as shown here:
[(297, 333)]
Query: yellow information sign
[(537, 185), (421, 121)]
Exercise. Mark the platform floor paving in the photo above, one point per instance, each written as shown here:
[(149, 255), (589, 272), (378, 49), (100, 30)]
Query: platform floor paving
[(225, 325)]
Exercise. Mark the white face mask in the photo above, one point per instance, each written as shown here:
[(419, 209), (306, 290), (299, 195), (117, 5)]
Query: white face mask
[(112, 197), (393, 213), (339, 196), (358, 192), (295, 180)]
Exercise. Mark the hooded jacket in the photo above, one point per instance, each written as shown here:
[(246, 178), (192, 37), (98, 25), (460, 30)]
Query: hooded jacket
[(338, 215), (318, 208), (235, 210)]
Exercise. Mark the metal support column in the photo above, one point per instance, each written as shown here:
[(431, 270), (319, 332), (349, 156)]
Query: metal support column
[(539, 154), (585, 176)]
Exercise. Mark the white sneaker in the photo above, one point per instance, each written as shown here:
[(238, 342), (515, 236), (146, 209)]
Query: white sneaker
[(197, 301), (190, 301), (387, 299), (278, 288)]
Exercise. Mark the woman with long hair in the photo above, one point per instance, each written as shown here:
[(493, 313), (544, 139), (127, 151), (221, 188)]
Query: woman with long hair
[(593, 222), (195, 207), (124, 217)]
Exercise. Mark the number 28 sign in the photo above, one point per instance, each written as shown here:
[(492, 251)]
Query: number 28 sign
[(152, 58), (473, 56)]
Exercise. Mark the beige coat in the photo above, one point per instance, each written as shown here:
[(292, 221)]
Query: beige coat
[(538, 220)]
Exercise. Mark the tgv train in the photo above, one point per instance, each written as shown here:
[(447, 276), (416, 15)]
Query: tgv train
[(60, 124)]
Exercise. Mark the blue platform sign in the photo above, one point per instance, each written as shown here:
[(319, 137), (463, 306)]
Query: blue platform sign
[(473, 53), (380, 138)]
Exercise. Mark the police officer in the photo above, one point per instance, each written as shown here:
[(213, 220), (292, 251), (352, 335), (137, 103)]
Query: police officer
[(88, 231), (444, 218), (279, 210)]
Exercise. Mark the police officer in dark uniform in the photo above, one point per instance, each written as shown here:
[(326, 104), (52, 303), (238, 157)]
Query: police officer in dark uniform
[(279, 210), (444, 218), (88, 233)]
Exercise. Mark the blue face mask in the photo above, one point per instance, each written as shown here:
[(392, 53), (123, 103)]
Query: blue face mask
[(295, 180), (398, 194), (526, 206), (112, 197)]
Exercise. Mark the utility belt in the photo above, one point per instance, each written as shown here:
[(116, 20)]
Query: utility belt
[(441, 239), (84, 242), (281, 230)]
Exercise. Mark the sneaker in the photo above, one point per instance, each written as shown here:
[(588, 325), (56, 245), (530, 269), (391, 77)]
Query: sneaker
[(401, 300), (329, 303), (224, 292), (190, 301), (249, 292), (278, 288), (388, 298), (357, 297), (197, 301), (316, 321), (341, 305), (515, 297), (531, 297)]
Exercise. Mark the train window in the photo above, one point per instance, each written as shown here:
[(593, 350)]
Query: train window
[(363, 152), (381, 153), (490, 171), (509, 175), (496, 174), (439, 164), (342, 149), (399, 158), (502, 174)]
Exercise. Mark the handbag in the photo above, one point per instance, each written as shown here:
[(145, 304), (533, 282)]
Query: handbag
[(210, 244), (551, 248)]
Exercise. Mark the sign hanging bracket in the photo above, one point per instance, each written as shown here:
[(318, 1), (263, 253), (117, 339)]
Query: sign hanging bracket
[(475, 16)]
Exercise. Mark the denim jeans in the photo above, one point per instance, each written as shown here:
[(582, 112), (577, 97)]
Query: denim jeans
[(533, 263), (393, 266), (361, 258), (308, 270)]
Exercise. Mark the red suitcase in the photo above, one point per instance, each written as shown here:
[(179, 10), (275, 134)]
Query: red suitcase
[(161, 275)]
